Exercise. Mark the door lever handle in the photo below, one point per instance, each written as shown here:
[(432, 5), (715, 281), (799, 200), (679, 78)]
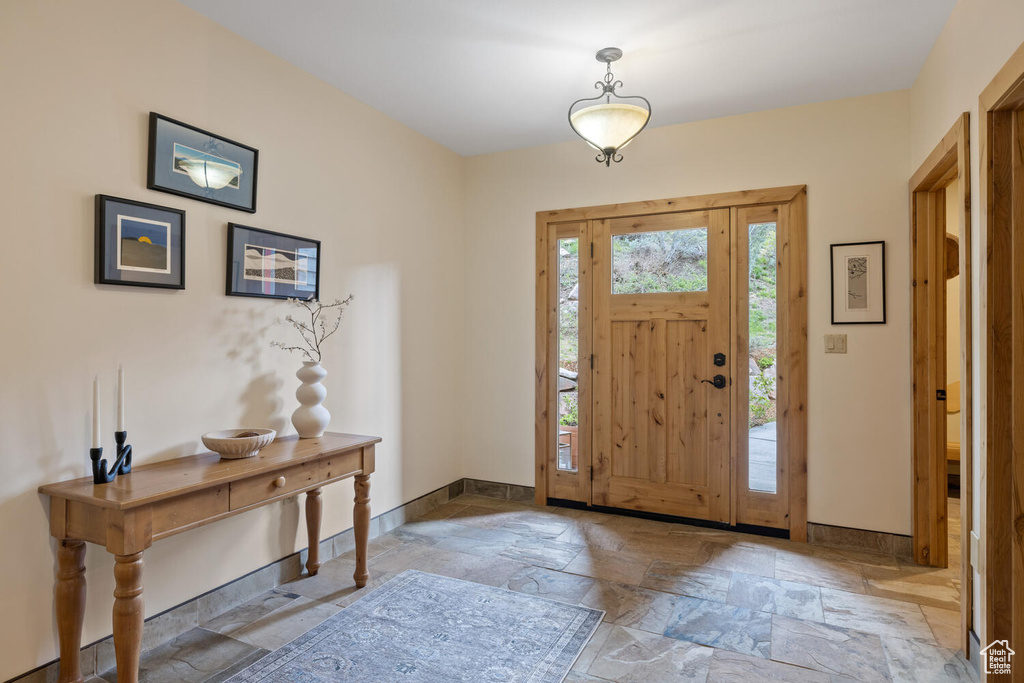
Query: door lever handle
[(718, 382)]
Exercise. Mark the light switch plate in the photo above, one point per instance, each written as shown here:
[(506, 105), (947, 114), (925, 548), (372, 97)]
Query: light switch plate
[(835, 343)]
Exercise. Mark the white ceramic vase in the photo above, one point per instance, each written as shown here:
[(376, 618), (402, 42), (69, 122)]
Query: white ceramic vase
[(311, 418)]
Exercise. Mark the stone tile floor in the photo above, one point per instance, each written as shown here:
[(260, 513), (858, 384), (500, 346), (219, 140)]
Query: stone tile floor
[(683, 603)]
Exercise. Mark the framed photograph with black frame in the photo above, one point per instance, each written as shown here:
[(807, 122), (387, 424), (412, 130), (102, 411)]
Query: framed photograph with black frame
[(191, 162), (139, 244), (858, 283), (272, 265)]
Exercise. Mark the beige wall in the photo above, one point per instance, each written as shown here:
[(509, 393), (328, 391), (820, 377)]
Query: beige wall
[(852, 154), (974, 44), (77, 81), (436, 354)]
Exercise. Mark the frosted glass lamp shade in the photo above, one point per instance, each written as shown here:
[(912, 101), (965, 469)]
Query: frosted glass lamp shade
[(209, 173), (609, 126)]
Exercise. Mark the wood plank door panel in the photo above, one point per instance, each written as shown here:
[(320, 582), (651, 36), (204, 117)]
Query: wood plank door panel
[(661, 429)]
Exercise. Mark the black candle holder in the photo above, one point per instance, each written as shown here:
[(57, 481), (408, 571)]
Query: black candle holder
[(122, 465)]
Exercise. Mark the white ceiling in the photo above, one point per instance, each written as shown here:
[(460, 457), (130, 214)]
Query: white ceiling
[(484, 76)]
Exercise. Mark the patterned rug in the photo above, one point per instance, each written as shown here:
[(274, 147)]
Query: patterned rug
[(421, 628)]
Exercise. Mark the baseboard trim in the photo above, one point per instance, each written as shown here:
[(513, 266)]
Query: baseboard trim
[(497, 489), (98, 656), (847, 538), (974, 658)]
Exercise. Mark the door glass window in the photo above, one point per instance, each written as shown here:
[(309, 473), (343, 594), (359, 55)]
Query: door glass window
[(568, 353), (762, 359), (665, 261)]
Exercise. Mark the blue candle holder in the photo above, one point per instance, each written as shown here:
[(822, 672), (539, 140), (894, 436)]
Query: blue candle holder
[(122, 465)]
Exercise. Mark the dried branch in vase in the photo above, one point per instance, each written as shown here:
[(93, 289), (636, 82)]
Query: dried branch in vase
[(316, 322)]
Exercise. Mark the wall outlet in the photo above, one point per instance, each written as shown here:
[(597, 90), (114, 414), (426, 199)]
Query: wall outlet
[(835, 343)]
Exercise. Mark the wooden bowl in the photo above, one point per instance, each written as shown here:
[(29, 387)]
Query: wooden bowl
[(238, 443)]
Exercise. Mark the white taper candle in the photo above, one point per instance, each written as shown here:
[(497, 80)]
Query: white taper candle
[(120, 398), (96, 412)]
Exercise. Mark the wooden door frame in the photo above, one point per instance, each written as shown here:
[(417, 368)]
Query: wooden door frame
[(1001, 558), (756, 508), (948, 161), (794, 413), (566, 485)]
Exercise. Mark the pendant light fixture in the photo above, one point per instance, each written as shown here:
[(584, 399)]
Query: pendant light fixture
[(206, 172), (609, 126)]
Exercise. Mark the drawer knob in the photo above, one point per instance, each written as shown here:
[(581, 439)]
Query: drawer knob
[(279, 482)]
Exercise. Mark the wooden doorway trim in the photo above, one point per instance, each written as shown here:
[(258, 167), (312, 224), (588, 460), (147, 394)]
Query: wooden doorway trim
[(948, 161), (550, 481), (1001, 560), (792, 204), (752, 507)]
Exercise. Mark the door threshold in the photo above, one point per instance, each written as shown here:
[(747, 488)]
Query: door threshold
[(672, 519)]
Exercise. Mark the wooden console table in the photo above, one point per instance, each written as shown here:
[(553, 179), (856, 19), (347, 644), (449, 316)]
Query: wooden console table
[(161, 499)]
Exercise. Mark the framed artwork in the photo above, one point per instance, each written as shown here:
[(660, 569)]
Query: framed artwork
[(858, 283), (139, 244), (272, 265), (190, 162)]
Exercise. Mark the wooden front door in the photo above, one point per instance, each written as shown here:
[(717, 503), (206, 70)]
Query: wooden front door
[(661, 314)]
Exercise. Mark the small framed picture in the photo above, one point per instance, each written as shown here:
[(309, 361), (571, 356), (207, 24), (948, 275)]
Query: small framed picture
[(858, 283), (139, 244), (272, 265), (191, 162)]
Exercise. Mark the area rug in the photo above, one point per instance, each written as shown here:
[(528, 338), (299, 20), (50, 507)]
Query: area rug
[(422, 628)]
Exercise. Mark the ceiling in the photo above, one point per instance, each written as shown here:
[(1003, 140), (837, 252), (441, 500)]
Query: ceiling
[(483, 76)]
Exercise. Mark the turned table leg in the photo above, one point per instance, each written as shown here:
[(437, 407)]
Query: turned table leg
[(70, 597), (361, 523), (128, 616), (314, 510)]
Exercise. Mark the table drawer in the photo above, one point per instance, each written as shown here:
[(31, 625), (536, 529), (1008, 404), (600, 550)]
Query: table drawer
[(184, 511), (263, 487), (340, 466)]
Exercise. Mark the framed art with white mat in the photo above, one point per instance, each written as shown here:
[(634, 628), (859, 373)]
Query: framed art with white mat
[(139, 244), (858, 283)]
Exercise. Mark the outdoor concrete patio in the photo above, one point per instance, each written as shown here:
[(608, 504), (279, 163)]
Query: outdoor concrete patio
[(762, 458)]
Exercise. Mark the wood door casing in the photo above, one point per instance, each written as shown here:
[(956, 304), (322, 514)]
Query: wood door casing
[(1001, 556), (758, 508), (661, 434), (928, 230), (792, 339), (928, 338), (562, 484)]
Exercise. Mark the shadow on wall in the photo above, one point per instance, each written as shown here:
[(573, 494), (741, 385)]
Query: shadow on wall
[(31, 613), (261, 404), (247, 332), (285, 533), (367, 374), (247, 335)]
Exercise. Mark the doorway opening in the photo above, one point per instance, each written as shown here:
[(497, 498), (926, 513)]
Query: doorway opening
[(942, 361)]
